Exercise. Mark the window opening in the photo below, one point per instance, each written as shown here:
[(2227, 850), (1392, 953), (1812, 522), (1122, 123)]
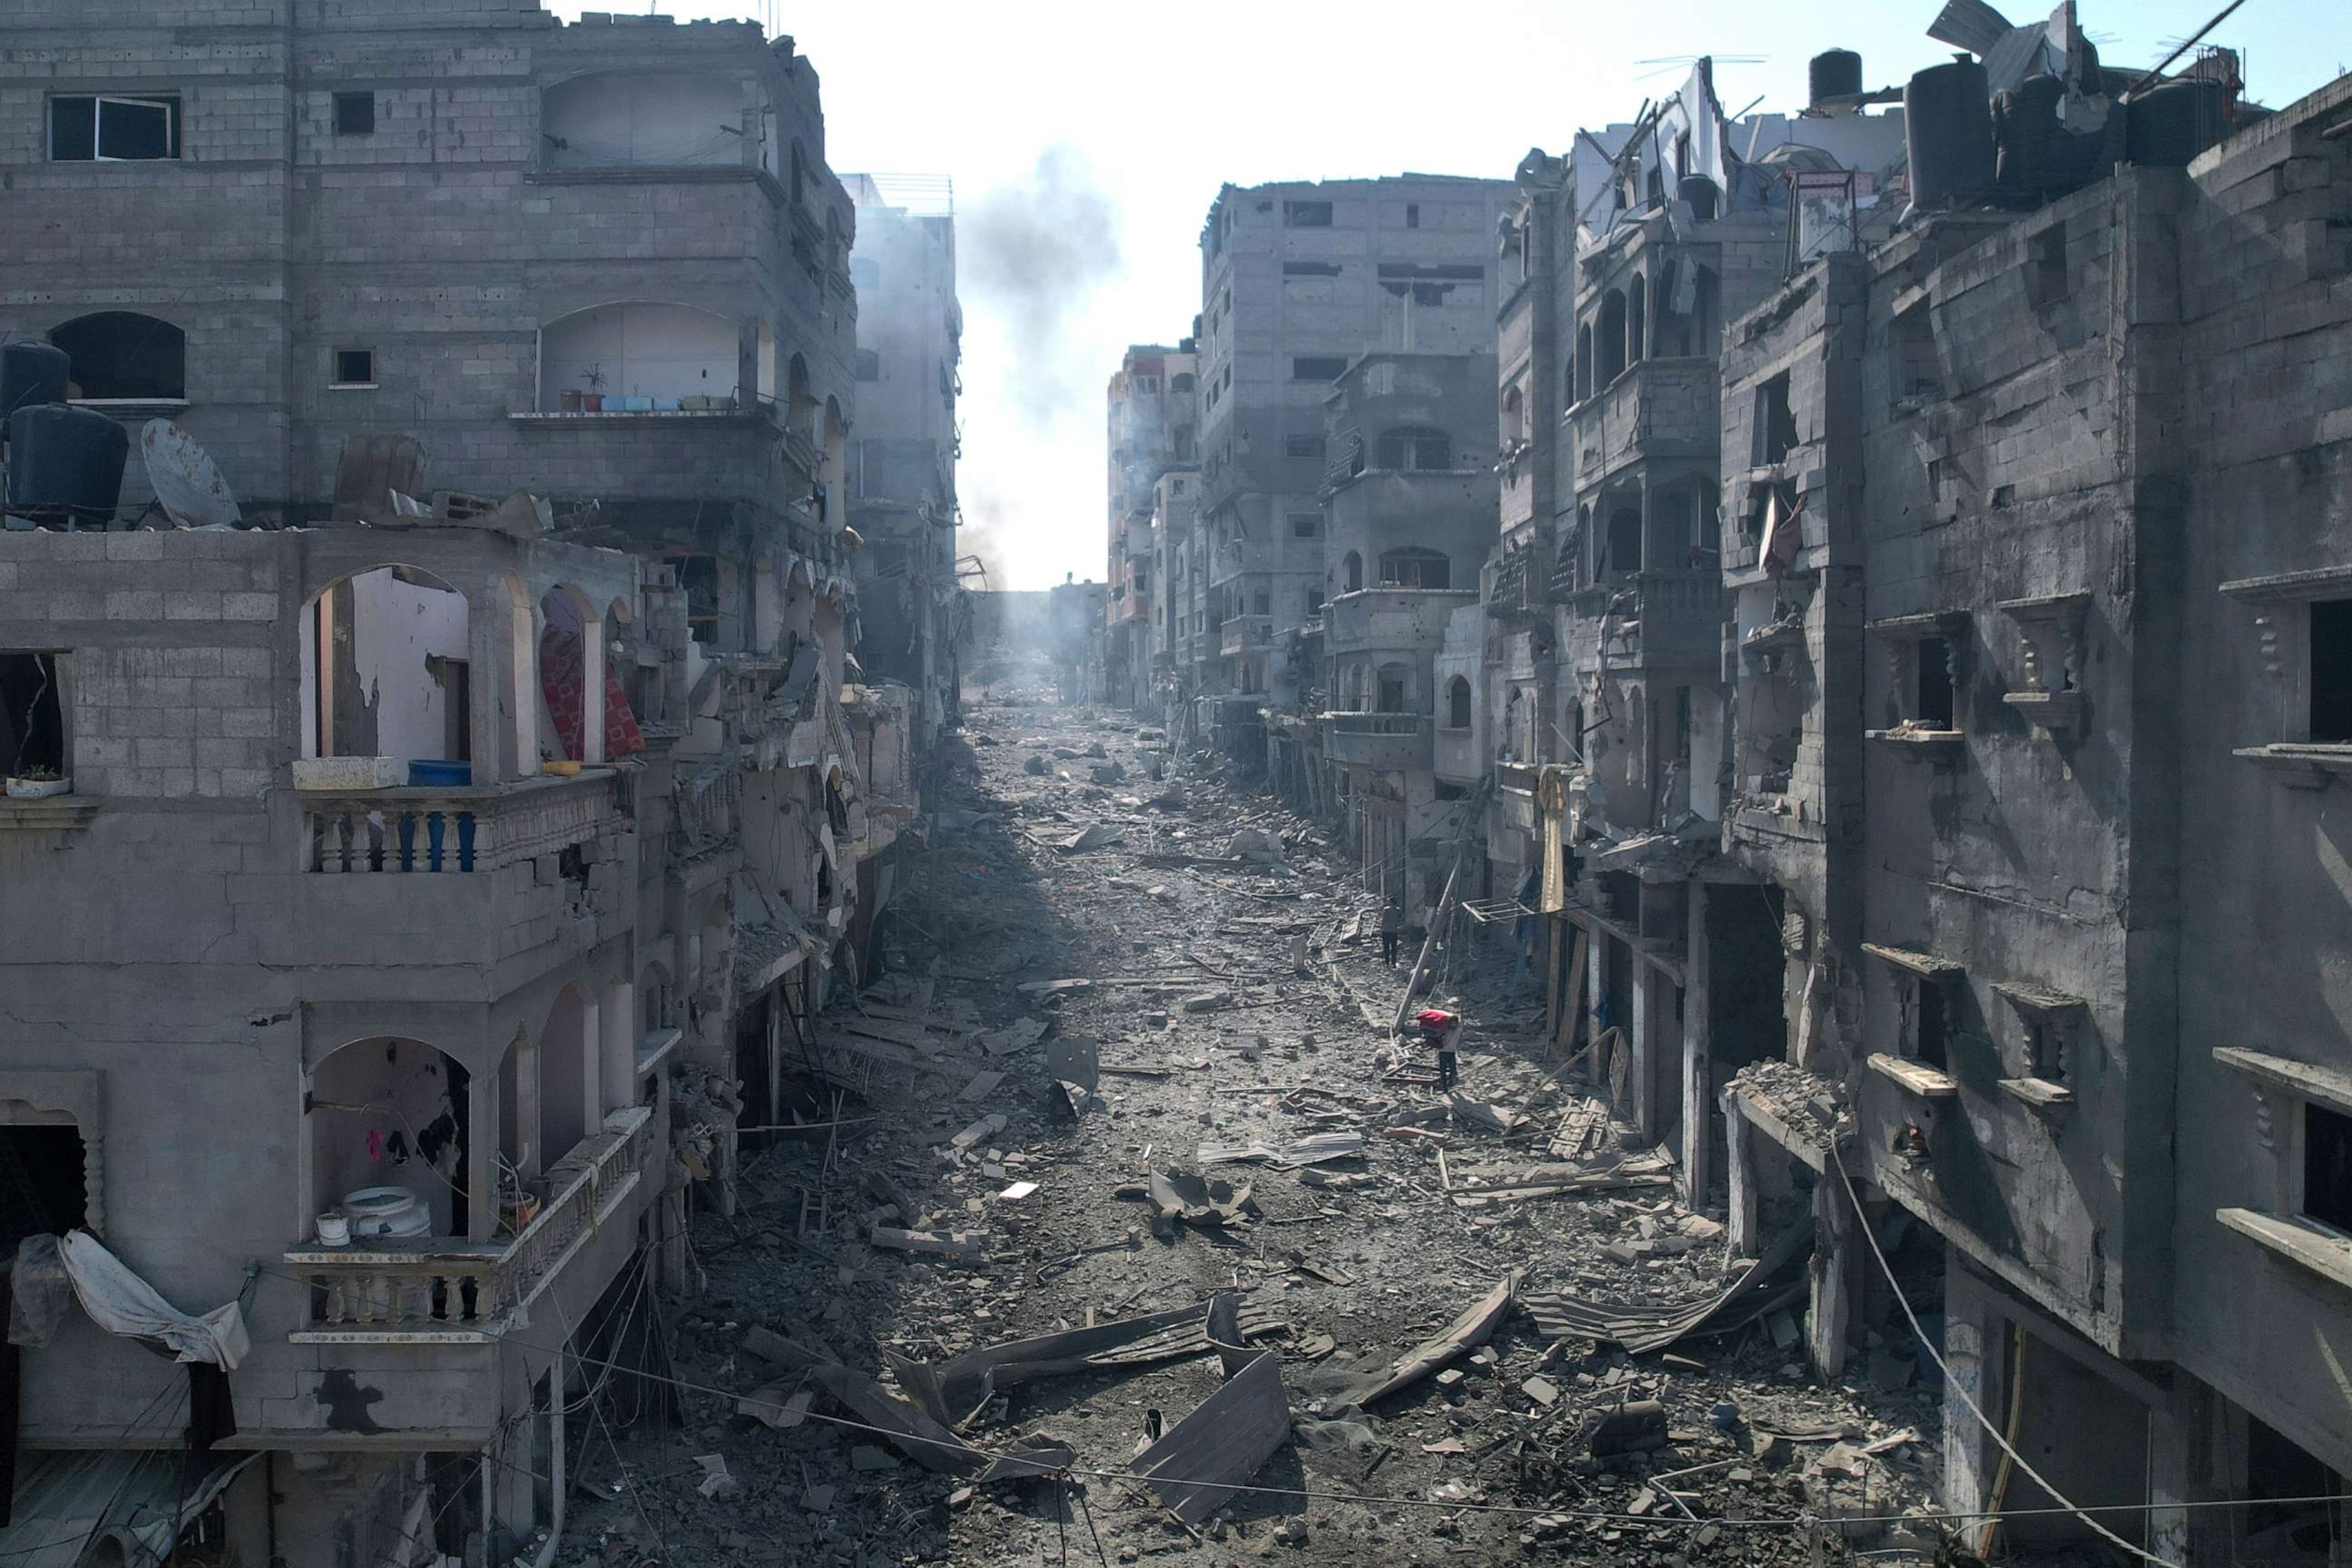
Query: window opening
[(113, 129), (354, 367), (354, 114), (2331, 672), (121, 355), (1776, 421), (1413, 215), (869, 365), (1928, 1024), (1302, 445), (1318, 367), (1306, 524), (32, 716), (1458, 703), (1307, 215), (1415, 568), (1934, 709), (2327, 1166), (44, 1188)]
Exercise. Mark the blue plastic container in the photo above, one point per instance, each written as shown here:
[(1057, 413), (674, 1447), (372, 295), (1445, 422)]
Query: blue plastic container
[(435, 773)]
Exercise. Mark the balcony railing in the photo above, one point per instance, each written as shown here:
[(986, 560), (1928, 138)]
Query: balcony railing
[(454, 831), (1398, 740), (1659, 407), (1520, 776), (1244, 634), (1392, 618), (442, 1288), (1677, 620)]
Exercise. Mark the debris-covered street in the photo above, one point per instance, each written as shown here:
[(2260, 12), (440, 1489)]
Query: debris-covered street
[(1131, 1088)]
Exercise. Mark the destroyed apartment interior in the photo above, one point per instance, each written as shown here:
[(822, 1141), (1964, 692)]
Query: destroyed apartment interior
[(1660, 891)]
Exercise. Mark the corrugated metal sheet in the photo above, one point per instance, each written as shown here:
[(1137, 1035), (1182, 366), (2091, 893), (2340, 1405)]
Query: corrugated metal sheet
[(67, 1504)]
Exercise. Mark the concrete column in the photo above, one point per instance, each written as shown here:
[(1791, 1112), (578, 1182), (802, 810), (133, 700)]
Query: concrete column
[(1835, 1240), (618, 1021), (1595, 967), (482, 1156), (2173, 1451), (592, 1075), (591, 695), (1740, 1140), (1975, 1364), (1643, 1033), (531, 1151), (1698, 1064)]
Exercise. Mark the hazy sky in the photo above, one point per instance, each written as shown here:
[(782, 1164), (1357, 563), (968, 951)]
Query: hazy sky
[(1087, 141)]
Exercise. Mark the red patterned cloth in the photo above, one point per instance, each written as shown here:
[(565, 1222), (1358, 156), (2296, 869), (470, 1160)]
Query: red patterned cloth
[(562, 678)]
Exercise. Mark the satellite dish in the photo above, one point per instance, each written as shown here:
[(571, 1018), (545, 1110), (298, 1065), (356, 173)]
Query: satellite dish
[(187, 485)]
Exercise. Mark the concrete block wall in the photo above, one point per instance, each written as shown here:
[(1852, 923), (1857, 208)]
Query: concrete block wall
[(435, 241), (2267, 378)]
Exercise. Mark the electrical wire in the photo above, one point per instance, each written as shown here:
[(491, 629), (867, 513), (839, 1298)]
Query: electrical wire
[(966, 1448), (2007, 1448)]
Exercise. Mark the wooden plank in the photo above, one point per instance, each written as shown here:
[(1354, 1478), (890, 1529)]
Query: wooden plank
[(1579, 960)]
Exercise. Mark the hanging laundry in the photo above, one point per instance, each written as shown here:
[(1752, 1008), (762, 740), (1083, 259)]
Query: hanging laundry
[(563, 680)]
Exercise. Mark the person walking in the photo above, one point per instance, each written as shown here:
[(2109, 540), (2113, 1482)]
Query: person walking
[(1392, 927)]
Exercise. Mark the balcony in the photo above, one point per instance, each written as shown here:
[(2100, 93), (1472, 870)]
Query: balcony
[(800, 450), (1246, 634), (1398, 741), (1518, 777), (1401, 620), (1657, 408), (400, 832), (446, 1290), (1666, 619)]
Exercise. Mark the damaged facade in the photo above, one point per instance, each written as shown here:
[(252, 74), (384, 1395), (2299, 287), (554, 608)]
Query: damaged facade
[(1906, 673), (436, 881)]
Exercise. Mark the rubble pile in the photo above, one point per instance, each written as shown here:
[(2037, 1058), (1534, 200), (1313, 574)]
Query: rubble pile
[(1122, 1218)]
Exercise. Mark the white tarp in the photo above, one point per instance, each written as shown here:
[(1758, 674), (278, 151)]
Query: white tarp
[(121, 1303)]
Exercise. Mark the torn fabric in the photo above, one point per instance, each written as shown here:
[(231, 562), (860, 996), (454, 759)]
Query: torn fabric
[(121, 1303)]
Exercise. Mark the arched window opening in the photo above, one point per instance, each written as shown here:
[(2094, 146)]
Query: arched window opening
[(1623, 555), (390, 1126), (1352, 572), (1458, 703), (122, 356), (386, 669), (1394, 682), (1611, 337), (1637, 296)]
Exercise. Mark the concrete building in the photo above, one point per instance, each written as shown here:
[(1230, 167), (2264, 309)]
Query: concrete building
[(1409, 507), (1606, 605), (1298, 281), (901, 462), (1150, 412), (2032, 525), (418, 259)]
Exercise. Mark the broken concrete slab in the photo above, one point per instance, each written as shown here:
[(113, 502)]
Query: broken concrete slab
[(1201, 1460), (930, 1443), (1466, 1333), (1197, 1200), (779, 1407), (1313, 1149), (985, 1128), (956, 1246), (1093, 836)]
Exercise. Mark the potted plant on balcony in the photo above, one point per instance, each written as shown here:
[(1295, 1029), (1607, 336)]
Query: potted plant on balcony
[(591, 389), (38, 782)]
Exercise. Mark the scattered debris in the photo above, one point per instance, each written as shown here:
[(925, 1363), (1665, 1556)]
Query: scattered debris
[(1471, 1329), (1196, 1466)]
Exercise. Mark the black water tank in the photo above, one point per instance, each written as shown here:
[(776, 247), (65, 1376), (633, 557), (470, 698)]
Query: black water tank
[(1948, 121), (1834, 73), (31, 372), (2168, 126), (2030, 163), (60, 455)]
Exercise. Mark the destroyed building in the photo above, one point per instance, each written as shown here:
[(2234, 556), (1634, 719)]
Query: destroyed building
[(435, 879), (1149, 406), (901, 461), (1409, 506), (2031, 518), (1298, 281)]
